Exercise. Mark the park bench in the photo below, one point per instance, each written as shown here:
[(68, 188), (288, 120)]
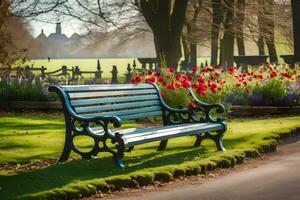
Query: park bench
[(97, 111)]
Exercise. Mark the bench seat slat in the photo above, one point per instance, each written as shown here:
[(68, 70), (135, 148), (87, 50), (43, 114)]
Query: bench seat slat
[(113, 100), (162, 133), (111, 107), (110, 93), (83, 88)]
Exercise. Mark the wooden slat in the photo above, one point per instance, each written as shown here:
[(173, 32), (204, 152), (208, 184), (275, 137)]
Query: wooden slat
[(123, 113), (113, 100), (119, 106), (158, 136), (109, 87), (162, 129), (111, 93), (141, 115)]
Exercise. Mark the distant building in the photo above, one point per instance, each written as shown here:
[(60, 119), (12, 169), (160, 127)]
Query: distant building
[(58, 45), (99, 44)]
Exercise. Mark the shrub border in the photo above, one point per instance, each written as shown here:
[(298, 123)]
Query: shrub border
[(164, 173), (234, 111)]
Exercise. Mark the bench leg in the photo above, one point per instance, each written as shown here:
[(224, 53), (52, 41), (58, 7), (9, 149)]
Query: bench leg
[(218, 140), (119, 162), (198, 141), (120, 151), (67, 147), (162, 145), (130, 149)]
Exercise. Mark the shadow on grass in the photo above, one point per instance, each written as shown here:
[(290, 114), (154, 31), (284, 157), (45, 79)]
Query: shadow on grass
[(62, 174)]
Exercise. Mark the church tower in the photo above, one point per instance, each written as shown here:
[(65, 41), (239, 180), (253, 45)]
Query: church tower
[(58, 28)]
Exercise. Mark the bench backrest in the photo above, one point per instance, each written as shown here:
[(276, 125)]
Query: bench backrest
[(127, 101)]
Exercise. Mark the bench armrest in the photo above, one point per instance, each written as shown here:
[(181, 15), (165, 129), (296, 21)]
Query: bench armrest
[(207, 108)]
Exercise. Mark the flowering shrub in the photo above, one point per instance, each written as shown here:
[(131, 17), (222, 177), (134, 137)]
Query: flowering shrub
[(266, 85)]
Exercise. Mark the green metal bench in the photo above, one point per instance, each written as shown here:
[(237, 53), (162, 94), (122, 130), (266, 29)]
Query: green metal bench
[(91, 110)]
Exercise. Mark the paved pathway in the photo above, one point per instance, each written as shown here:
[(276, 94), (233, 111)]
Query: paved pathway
[(276, 179)]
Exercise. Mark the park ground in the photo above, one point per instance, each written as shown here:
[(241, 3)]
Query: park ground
[(31, 143), (271, 176)]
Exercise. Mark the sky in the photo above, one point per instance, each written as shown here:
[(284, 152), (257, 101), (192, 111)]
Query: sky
[(68, 28)]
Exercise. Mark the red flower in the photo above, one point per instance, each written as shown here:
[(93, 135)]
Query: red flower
[(186, 84), (214, 85), (177, 77), (231, 68), (177, 85), (194, 69), (157, 74), (287, 75), (194, 86), (201, 80), (192, 105), (209, 69), (160, 79), (171, 86), (150, 73), (151, 79), (273, 74), (163, 94), (214, 90), (137, 79), (171, 70), (201, 90)]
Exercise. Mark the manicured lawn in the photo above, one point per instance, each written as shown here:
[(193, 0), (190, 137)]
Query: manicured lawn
[(25, 138)]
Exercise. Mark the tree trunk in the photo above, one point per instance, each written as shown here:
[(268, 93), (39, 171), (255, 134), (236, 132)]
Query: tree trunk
[(217, 19), (221, 50), (296, 28), (267, 28), (193, 50), (166, 20), (228, 38), (270, 31), (261, 46), (240, 16), (186, 49), (261, 27), (214, 46), (272, 51)]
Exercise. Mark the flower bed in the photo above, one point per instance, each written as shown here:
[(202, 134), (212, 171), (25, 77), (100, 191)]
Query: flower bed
[(267, 85)]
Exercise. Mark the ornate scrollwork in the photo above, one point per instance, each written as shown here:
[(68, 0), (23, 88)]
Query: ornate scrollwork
[(99, 131), (177, 117)]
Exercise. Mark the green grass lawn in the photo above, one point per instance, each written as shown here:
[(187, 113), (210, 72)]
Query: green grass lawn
[(26, 138), (91, 64)]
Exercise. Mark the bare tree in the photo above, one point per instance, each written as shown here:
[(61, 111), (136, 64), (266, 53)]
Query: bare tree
[(296, 27), (190, 37), (166, 22), (15, 39), (217, 11), (239, 23)]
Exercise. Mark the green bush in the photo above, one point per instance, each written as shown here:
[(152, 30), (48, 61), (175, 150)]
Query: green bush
[(273, 90), (176, 98), (22, 91)]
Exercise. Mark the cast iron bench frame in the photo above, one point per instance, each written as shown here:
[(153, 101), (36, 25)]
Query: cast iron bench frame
[(211, 128)]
